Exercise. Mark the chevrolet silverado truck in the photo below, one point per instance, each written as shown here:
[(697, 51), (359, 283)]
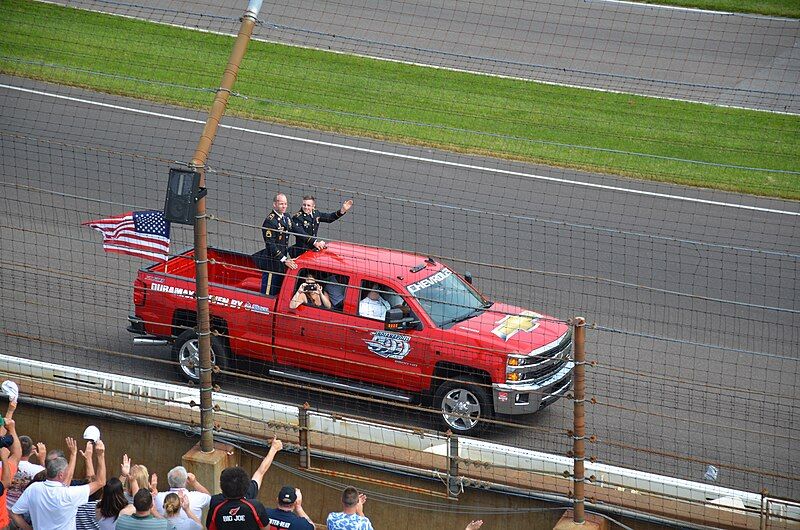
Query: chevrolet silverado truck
[(440, 342)]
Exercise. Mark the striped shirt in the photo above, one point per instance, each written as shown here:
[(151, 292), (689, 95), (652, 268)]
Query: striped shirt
[(86, 518), (135, 522)]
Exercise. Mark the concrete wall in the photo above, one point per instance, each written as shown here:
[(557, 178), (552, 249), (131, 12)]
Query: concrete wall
[(160, 449)]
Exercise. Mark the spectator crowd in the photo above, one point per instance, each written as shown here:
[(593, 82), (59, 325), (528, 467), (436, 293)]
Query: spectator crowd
[(45, 494)]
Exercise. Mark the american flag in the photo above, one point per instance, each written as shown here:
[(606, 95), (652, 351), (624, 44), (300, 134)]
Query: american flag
[(144, 234)]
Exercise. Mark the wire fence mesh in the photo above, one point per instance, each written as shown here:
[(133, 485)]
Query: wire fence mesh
[(722, 58), (690, 295)]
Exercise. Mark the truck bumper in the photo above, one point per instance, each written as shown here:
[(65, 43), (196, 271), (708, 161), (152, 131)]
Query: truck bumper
[(528, 398), (136, 325)]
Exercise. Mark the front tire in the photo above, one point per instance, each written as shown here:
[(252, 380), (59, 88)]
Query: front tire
[(463, 404), (186, 352)]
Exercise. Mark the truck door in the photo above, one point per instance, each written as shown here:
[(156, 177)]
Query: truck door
[(394, 359), (250, 327), (309, 336)]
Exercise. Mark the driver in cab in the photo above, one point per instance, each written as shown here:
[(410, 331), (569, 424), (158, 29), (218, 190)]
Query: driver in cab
[(310, 293), (373, 305)]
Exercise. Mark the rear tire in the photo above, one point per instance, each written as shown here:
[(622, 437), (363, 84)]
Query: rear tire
[(186, 352), (463, 404)]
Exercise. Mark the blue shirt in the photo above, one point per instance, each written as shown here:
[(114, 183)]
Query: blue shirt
[(343, 521)]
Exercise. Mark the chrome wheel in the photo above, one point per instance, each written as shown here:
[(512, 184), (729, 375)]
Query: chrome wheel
[(189, 359), (461, 409)]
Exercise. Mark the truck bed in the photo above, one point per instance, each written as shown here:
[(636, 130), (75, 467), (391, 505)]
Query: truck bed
[(226, 268)]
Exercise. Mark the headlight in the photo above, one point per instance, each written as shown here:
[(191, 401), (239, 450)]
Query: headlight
[(513, 362), (517, 360)]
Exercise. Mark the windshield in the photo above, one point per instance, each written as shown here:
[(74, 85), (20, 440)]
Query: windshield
[(446, 298)]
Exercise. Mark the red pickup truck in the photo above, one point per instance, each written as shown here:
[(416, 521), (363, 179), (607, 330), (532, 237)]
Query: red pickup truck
[(438, 339)]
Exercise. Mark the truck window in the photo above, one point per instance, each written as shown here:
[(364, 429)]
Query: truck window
[(446, 298), (335, 286), (375, 299), (319, 289)]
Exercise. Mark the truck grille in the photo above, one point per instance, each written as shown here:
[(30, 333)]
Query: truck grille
[(548, 362)]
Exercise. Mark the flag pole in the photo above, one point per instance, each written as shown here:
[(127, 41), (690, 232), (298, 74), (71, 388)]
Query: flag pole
[(200, 230)]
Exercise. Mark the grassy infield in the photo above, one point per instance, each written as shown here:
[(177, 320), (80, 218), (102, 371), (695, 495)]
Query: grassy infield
[(778, 8), (508, 118)]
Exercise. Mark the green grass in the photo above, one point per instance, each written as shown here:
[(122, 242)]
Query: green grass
[(416, 105), (777, 8)]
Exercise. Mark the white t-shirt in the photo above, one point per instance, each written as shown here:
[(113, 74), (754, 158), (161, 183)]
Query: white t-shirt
[(52, 505), (30, 468), (197, 501), (370, 308)]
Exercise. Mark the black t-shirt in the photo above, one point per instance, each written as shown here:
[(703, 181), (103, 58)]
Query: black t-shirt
[(238, 514)]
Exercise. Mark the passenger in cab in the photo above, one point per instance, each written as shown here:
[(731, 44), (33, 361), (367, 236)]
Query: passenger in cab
[(334, 288), (373, 305), (310, 293)]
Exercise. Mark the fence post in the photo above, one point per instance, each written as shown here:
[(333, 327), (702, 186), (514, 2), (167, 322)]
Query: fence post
[(579, 419), (453, 483), (305, 450), (200, 231)]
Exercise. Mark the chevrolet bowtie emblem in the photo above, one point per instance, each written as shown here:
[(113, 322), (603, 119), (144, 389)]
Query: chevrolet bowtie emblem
[(509, 325)]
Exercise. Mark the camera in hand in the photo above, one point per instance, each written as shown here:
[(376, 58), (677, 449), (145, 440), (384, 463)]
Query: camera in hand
[(310, 287)]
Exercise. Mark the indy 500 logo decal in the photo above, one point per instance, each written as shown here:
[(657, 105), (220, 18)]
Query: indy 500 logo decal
[(389, 345)]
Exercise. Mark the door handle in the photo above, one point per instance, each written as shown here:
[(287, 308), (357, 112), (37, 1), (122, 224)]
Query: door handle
[(302, 331)]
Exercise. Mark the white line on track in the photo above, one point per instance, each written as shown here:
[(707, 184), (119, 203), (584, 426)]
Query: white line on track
[(412, 157), (689, 9)]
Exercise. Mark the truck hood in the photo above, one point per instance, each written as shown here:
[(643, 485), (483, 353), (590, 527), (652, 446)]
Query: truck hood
[(510, 329)]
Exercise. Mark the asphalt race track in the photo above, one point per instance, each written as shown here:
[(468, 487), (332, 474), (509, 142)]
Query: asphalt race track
[(720, 58), (694, 292)]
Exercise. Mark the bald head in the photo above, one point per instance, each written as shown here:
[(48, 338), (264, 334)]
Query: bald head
[(280, 203)]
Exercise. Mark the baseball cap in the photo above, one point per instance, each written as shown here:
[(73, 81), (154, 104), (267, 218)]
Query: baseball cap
[(91, 433), (11, 390), (287, 495)]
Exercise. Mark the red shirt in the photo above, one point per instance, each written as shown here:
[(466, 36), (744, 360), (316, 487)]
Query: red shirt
[(4, 518)]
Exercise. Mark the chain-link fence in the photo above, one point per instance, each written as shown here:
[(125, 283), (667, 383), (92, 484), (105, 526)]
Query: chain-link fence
[(689, 294)]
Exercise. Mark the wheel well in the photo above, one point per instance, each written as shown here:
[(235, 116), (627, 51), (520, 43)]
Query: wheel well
[(183, 319), (445, 370)]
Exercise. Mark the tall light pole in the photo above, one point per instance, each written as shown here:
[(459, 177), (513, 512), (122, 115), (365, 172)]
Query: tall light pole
[(200, 229)]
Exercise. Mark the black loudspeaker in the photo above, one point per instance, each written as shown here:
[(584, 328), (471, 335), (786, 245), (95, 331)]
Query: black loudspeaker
[(183, 190)]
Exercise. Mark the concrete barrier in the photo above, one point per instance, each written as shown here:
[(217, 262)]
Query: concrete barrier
[(479, 463)]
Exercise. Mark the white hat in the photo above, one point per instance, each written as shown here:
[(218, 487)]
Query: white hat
[(91, 433), (11, 389)]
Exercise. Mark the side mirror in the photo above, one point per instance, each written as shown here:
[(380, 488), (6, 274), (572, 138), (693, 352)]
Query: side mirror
[(468, 277), (396, 320)]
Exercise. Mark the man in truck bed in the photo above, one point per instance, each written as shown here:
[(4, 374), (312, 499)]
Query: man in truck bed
[(306, 224), (276, 258)]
